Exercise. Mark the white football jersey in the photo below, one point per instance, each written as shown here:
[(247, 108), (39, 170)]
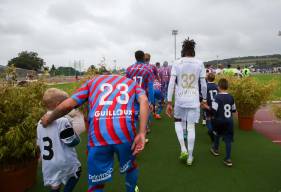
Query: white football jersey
[(59, 162), (188, 71)]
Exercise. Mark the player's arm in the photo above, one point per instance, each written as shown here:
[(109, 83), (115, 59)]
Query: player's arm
[(139, 141), (203, 83), (171, 88), (66, 106), (62, 109)]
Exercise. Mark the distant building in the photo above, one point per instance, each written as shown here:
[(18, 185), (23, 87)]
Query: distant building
[(22, 74)]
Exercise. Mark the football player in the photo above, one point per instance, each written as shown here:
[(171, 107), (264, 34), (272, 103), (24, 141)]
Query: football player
[(57, 142), (185, 74), (212, 91), (223, 107), (113, 107)]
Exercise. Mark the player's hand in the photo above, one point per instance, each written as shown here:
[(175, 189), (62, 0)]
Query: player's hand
[(169, 110), (138, 144), (45, 120), (204, 105), (151, 107)]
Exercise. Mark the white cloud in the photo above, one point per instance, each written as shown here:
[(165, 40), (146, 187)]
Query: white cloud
[(64, 30)]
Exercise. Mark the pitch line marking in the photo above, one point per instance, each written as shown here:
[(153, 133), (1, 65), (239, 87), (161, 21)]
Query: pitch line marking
[(272, 121)]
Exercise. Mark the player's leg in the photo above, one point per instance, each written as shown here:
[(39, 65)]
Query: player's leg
[(193, 115), (209, 126), (215, 146), (178, 112), (228, 139), (55, 189), (71, 183), (100, 167), (190, 141), (127, 165)]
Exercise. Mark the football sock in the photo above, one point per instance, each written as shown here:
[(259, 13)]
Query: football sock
[(190, 139), (55, 190), (179, 132), (228, 149), (131, 180), (210, 129), (72, 182)]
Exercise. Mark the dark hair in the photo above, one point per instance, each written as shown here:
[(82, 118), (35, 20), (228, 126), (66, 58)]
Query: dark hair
[(228, 66), (157, 64), (139, 55), (223, 84), (188, 48), (211, 77)]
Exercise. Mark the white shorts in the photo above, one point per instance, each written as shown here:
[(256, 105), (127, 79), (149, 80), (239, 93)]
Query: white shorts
[(191, 115)]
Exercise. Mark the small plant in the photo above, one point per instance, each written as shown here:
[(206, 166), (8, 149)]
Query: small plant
[(20, 110), (277, 111), (249, 94)]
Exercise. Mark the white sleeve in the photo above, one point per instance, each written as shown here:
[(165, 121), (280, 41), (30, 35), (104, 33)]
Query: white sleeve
[(76, 118), (215, 105), (38, 135), (203, 71), (171, 87), (203, 88)]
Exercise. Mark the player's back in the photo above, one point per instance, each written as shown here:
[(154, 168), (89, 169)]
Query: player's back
[(56, 156), (112, 108), (188, 72), (224, 106), (212, 91), (165, 73), (141, 73)]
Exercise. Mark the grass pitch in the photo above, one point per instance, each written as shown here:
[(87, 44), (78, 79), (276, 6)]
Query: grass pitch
[(257, 164), (264, 78)]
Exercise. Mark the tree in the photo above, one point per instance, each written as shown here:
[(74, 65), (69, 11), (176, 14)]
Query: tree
[(53, 70), (27, 60)]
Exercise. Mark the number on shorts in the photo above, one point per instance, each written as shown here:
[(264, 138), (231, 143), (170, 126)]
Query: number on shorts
[(187, 81), (109, 90), (138, 79), (48, 148), (227, 111), (213, 93)]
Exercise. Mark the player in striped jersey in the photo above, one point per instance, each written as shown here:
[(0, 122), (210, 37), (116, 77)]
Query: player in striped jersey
[(142, 74), (113, 102), (165, 74), (153, 68), (158, 96)]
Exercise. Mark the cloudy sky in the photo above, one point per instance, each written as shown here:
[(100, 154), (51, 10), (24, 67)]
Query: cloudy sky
[(62, 31)]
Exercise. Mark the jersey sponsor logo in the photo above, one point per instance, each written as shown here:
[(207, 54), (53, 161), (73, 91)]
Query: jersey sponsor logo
[(108, 114), (187, 92), (101, 177), (125, 167)]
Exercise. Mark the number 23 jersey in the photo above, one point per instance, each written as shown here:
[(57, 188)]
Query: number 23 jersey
[(59, 162), (112, 102), (188, 71)]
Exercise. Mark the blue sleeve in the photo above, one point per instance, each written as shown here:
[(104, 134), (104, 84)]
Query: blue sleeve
[(150, 92)]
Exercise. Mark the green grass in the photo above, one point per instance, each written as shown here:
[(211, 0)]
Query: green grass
[(256, 165), (265, 78)]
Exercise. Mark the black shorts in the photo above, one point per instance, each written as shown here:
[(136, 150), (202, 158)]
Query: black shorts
[(223, 128)]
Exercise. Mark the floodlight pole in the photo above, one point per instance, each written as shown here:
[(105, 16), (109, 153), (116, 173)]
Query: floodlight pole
[(174, 33)]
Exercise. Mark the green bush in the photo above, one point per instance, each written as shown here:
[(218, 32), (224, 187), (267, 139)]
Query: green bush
[(20, 110), (277, 111), (249, 94)]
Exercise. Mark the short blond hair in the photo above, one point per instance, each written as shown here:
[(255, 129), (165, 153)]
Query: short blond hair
[(53, 96)]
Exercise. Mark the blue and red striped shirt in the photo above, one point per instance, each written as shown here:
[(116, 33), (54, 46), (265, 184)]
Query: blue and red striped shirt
[(112, 101), (143, 75)]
